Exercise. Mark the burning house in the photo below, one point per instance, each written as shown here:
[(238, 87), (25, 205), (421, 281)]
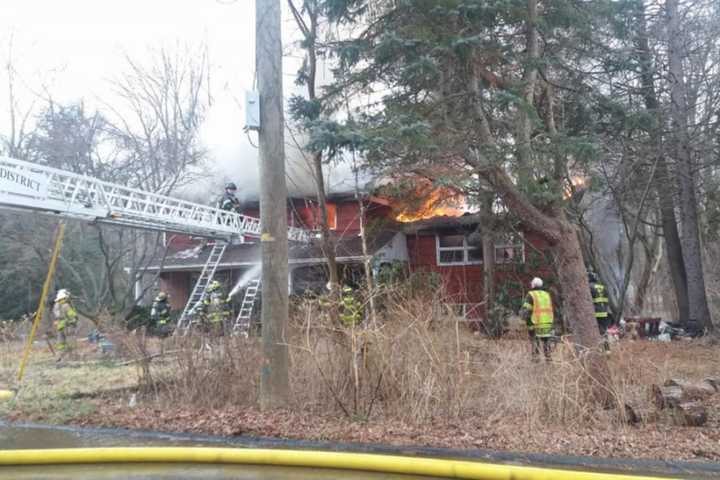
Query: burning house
[(431, 235)]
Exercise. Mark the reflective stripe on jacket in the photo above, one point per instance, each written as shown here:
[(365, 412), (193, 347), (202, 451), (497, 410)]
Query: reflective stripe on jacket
[(65, 315), (600, 300)]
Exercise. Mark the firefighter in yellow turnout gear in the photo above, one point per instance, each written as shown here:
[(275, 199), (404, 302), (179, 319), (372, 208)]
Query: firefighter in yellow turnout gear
[(160, 314), (66, 318), (346, 309), (351, 310), (537, 311), (600, 304), (216, 308)]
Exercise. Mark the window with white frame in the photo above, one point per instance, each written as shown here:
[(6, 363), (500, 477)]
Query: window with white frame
[(510, 248), (454, 250)]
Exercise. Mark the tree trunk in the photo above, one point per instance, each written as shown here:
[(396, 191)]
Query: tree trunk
[(580, 312), (692, 253), (653, 251), (488, 251), (369, 280), (327, 244), (524, 123), (554, 228), (274, 381), (672, 239), (663, 185), (309, 30)]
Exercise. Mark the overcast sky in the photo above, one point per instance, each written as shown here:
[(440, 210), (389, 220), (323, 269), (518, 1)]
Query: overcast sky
[(76, 46)]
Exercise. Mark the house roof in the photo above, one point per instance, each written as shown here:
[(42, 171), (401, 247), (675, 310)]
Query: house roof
[(441, 222), (348, 249), (334, 197)]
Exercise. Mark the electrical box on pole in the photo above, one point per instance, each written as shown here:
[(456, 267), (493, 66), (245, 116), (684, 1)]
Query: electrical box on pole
[(252, 110)]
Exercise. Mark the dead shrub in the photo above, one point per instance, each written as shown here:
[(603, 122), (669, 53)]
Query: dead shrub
[(211, 372), (410, 367), (136, 345), (416, 364), (419, 365)]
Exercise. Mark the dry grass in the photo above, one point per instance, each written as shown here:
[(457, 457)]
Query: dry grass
[(419, 367), (59, 393), (416, 367)]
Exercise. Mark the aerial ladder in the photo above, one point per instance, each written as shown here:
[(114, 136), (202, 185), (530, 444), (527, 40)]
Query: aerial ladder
[(32, 187)]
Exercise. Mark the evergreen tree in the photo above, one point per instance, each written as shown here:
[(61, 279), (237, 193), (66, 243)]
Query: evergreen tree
[(502, 94)]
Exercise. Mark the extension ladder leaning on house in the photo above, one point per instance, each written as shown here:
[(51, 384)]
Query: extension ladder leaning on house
[(242, 322)]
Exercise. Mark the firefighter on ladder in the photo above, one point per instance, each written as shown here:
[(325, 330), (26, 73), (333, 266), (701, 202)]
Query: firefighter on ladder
[(215, 308), (65, 321), (229, 202), (600, 304), (160, 314), (537, 311)]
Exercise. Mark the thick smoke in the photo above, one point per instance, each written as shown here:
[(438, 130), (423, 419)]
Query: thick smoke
[(232, 156), (607, 229)]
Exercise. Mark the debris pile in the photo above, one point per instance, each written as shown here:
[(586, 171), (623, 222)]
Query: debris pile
[(685, 400)]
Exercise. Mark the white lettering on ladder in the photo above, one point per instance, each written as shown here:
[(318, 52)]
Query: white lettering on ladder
[(26, 183)]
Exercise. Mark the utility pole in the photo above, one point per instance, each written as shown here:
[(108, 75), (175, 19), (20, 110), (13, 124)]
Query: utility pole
[(274, 380)]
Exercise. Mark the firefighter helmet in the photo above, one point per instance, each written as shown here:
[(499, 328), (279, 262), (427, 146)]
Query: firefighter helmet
[(230, 186), (62, 294)]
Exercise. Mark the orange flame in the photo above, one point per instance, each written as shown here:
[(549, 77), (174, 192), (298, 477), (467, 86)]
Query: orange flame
[(439, 202), (577, 183)]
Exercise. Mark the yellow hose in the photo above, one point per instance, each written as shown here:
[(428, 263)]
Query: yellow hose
[(298, 458)]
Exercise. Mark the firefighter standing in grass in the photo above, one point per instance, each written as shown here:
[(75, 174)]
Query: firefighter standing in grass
[(537, 311), (600, 304), (347, 307), (160, 314), (216, 307), (350, 311), (65, 320)]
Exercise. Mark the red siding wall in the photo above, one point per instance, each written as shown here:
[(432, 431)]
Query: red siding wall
[(348, 217), (347, 214), (464, 283)]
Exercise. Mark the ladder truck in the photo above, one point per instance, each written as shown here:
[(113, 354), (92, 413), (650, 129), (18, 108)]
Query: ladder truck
[(27, 186)]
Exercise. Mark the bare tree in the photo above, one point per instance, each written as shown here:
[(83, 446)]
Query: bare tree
[(20, 108), (156, 124), (680, 111), (307, 15), (156, 121)]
